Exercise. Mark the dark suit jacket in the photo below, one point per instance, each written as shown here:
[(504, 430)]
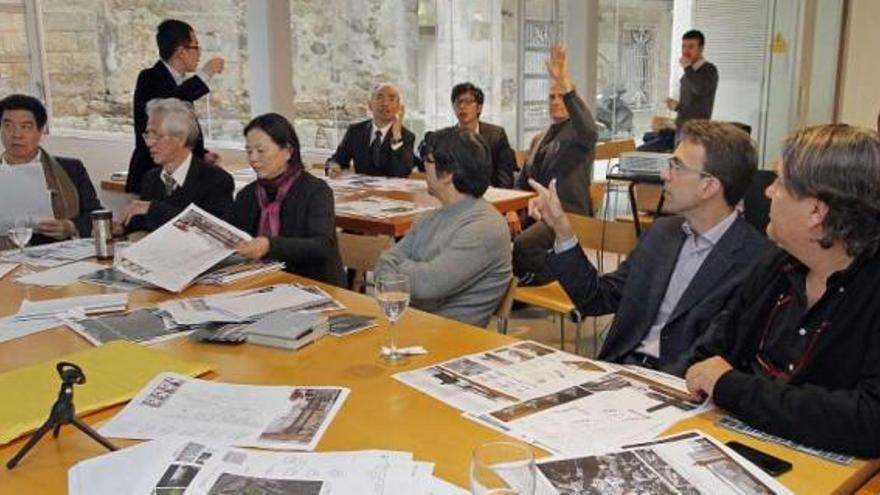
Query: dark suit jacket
[(503, 158), (157, 82), (355, 146), (307, 241), (206, 186), (88, 199), (634, 292), (568, 158)]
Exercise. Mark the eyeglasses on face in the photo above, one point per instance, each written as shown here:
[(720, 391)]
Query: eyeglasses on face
[(152, 136), (677, 166), (465, 101)]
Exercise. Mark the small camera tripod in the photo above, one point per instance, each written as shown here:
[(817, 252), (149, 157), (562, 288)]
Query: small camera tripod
[(63, 413)]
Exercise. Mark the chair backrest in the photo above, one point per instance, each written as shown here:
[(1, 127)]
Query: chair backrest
[(597, 194), (648, 196), (521, 157), (603, 236), (361, 252), (612, 149), (504, 307), (756, 205)]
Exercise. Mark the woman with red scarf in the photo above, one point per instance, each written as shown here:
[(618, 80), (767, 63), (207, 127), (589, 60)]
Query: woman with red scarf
[(289, 212)]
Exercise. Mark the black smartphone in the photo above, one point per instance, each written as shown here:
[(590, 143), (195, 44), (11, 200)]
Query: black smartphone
[(772, 465)]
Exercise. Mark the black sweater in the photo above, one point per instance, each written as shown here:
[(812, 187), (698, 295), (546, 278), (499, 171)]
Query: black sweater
[(831, 396)]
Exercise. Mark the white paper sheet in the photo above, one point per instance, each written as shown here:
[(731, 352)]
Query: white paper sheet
[(181, 250), (23, 195), (237, 306), (274, 417), (599, 415), (380, 207), (5, 268), (61, 275), (500, 377), (92, 304), (687, 463), (12, 328)]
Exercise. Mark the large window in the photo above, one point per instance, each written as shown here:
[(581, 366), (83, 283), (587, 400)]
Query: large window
[(16, 64)]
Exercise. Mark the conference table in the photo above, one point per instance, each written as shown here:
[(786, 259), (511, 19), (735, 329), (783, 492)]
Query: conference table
[(504, 200), (380, 413)]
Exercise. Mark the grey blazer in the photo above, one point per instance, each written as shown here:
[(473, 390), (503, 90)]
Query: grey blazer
[(635, 290)]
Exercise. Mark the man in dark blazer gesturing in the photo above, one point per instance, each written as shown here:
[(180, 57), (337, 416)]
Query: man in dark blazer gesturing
[(467, 102), (181, 179), (378, 146), (685, 267), (179, 52)]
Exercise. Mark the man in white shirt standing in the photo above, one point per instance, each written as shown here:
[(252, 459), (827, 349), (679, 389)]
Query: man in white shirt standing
[(685, 267), (179, 53)]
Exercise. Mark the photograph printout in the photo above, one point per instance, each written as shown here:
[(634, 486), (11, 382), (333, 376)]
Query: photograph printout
[(174, 255), (688, 463), (274, 417), (500, 377)]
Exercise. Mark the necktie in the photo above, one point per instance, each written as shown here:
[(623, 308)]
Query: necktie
[(376, 147), (170, 183)]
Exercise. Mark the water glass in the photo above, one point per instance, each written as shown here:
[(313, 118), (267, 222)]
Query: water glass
[(392, 292), (20, 234), (503, 468)]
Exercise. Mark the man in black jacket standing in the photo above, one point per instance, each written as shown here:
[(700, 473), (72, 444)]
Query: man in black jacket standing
[(797, 353), (378, 146), (698, 84), (179, 52), (181, 178), (564, 152)]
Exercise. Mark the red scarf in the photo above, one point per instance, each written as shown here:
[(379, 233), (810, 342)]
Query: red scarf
[(270, 211)]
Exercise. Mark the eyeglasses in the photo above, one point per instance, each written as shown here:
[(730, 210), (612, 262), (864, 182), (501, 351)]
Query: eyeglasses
[(152, 136), (677, 166), (465, 101), (193, 47)]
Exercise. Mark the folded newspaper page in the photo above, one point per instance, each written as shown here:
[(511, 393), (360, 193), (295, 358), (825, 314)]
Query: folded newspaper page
[(173, 256)]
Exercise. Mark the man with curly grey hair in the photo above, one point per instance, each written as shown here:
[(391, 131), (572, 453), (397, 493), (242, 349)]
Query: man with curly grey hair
[(797, 352), (181, 178)]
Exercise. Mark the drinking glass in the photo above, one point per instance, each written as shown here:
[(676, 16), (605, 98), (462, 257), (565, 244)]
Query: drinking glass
[(503, 468), (392, 292), (20, 234)]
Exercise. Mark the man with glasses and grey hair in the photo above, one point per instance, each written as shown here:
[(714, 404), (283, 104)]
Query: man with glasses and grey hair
[(685, 267), (380, 145), (797, 351), (181, 178)]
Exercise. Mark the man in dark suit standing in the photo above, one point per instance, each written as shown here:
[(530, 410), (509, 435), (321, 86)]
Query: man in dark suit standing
[(179, 52), (378, 146), (467, 102), (181, 178), (684, 269), (565, 152)]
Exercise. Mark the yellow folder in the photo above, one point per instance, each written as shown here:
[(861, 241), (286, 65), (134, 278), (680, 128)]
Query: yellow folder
[(114, 372)]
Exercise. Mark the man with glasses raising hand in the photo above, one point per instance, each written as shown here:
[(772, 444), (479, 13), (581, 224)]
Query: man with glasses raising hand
[(684, 268), (179, 53)]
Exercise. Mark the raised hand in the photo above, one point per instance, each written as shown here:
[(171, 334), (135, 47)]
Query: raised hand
[(557, 68), (214, 66), (547, 207)]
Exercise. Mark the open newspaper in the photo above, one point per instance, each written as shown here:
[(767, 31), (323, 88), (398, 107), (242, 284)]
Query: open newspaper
[(185, 466), (688, 463), (273, 417), (559, 401), (179, 251), (53, 254)]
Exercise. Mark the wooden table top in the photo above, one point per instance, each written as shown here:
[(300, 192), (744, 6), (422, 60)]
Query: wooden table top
[(395, 226), (380, 412)]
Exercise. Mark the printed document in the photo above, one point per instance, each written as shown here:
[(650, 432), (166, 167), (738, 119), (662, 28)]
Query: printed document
[(23, 195)]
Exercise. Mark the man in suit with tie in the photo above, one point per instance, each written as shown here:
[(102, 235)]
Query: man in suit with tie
[(378, 146), (181, 178), (685, 267), (179, 52), (467, 102)]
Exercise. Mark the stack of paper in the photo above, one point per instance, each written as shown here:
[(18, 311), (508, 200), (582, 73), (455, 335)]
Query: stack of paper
[(54, 254), (238, 306), (381, 207), (188, 466), (61, 275), (35, 316), (235, 268), (114, 373), (274, 417), (179, 251)]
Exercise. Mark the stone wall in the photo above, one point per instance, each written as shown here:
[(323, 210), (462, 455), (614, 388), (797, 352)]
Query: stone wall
[(95, 49), (14, 64)]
